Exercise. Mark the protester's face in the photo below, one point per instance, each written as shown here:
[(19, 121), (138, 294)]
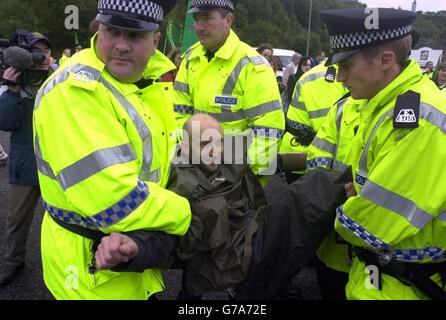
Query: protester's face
[(211, 150), (430, 65), (267, 54), (212, 30), (296, 61), (67, 52), (321, 57), (177, 60), (361, 76), (47, 52), (125, 53), (442, 76), (306, 66)]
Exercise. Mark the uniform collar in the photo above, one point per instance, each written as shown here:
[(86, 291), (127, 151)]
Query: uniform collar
[(225, 52)]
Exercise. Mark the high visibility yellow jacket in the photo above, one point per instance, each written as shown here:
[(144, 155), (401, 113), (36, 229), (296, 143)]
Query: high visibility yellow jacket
[(315, 94), (63, 59), (103, 150), (331, 150), (399, 178), (158, 65), (239, 89)]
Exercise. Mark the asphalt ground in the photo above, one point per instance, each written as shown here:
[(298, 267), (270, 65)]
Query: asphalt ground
[(29, 283)]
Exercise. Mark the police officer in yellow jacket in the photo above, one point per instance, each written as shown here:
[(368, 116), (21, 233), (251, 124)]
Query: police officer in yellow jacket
[(102, 130), (396, 221), (227, 79)]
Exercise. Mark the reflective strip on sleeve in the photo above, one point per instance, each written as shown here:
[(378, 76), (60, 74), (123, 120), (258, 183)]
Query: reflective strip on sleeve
[(318, 113), (396, 203), (324, 145), (337, 165), (42, 166), (94, 163), (359, 231), (267, 132), (181, 109), (298, 105), (319, 162), (108, 217), (299, 126), (181, 87)]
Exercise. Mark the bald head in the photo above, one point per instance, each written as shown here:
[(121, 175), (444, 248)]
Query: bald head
[(203, 142), (204, 122)]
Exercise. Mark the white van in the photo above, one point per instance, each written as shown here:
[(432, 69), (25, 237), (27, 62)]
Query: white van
[(284, 58)]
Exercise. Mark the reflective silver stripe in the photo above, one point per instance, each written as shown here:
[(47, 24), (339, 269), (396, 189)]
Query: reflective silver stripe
[(143, 130), (181, 87), (187, 58), (396, 203), (363, 171), (442, 216), (94, 163), (43, 166), (298, 105), (155, 176), (433, 116), (337, 165), (318, 113), (339, 114), (244, 114), (229, 87), (119, 211), (312, 77), (324, 145), (82, 70)]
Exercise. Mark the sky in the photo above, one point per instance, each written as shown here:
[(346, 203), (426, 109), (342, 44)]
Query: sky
[(422, 5)]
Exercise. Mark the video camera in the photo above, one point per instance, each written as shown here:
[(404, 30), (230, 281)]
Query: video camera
[(18, 52)]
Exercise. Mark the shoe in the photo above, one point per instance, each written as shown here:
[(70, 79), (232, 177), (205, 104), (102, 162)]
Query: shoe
[(3, 161), (291, 293), (9, 273)]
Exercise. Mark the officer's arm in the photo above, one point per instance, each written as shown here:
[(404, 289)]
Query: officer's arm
[(262, 104), (321, 152), (183, 104), (88, 165), (298, 120), (404, 191)]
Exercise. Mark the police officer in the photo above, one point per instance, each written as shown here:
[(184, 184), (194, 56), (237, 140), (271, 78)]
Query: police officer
[(103, 146), (394, 220), (227, 79)]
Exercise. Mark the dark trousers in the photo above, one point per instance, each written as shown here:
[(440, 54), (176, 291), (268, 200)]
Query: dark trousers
[(331, 282), (23, 202)]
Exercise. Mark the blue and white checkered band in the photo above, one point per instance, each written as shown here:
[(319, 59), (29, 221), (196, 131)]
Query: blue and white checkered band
[(356, 40), (140, 8), (213, 3)]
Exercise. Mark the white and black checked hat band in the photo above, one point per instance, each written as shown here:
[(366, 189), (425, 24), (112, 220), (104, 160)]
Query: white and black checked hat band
[(356, 40), (138, 8), (213, 3)]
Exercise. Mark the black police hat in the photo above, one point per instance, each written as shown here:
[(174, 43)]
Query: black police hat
[(199, 6), (133, 15), (354, 29)]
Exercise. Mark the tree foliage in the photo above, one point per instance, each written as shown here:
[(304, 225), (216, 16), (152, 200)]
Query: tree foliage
[(283, 23)]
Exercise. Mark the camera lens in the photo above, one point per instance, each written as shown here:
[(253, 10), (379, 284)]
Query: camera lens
[(38, 56)]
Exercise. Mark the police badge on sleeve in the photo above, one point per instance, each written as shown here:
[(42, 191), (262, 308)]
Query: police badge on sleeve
[(407, 110)]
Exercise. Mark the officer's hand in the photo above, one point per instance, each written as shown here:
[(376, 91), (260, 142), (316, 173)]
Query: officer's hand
[(12, 74), (350, 190), (115, 249)]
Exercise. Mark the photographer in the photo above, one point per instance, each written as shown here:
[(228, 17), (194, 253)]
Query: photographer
[(29, 65)]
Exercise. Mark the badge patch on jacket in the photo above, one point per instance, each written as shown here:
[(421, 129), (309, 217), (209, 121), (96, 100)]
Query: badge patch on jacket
[(227, 101), (407, 110), (330, 76)]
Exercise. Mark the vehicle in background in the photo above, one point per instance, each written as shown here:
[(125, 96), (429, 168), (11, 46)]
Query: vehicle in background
[(283, 57)]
